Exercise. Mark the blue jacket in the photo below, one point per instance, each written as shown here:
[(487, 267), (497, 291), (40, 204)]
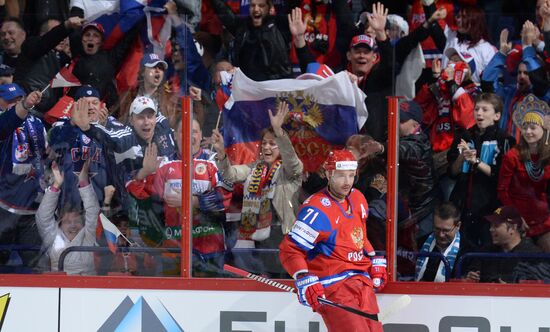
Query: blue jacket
[(21, 166)]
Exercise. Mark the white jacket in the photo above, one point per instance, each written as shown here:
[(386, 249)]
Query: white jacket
[(55, 240)]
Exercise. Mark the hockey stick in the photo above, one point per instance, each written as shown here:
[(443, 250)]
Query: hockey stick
[(290, 289)]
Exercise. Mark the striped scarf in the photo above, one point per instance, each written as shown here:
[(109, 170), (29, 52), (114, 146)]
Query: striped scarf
[(449, 253)]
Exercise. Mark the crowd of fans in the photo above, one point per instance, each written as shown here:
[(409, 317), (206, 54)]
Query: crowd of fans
[(474, 153)]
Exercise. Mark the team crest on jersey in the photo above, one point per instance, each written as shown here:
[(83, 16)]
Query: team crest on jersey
[(325, 201), (357, 237), (22, 152), (200, 169), (85, 139)]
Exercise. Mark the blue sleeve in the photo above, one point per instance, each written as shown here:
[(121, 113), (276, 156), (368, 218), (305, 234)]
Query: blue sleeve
[(197, 73), (495, 69), (9, 121), (62, 135), (309, 223), (119, 140), (529, 57)]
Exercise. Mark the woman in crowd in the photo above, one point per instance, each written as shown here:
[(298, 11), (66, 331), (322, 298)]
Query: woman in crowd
[(74, 227), (271, 186), (525, 170)]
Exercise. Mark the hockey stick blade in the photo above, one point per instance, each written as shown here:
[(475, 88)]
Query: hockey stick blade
[(395, 306), (290, 289)]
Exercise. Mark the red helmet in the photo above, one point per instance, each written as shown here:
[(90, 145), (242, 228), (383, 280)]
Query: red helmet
[(340, 160)]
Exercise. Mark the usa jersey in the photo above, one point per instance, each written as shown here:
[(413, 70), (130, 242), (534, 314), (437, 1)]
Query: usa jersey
[(329, 239)]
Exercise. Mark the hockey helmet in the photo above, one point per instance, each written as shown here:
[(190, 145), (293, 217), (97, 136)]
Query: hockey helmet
[(341, 160)]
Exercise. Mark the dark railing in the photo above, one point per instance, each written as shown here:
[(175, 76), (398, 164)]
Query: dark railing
[(471, 255), (65, 252)]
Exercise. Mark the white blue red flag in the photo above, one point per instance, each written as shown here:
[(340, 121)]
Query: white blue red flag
[(323, 113), (111, 232)]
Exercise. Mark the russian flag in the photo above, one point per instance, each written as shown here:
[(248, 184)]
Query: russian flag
[(111, 232), (323, 113)]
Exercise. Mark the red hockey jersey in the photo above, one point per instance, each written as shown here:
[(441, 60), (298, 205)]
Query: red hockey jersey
[(329, 239)]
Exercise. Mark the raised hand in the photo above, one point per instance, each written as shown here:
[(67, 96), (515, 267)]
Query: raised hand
[(171, 8), (278, 119), (109, 192), (218, 144), (527, 33), (57, 176), (103, 114), (80, 116), (436, 68), (32, 99), (74, 22), (150, 161), (439, 14), (85, 171), (377, 20), (297, 27), (195, 93), (505, 45)]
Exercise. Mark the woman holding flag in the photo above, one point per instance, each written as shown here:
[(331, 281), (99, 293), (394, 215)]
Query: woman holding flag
[(271, 185)]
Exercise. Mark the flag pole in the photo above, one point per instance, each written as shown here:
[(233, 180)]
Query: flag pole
[(46, 88), (217, 126)]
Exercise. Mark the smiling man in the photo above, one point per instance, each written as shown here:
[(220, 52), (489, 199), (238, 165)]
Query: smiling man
[(12, 36)]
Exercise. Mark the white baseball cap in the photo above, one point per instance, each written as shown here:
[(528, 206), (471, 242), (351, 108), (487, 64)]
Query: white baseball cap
[(142, 103)]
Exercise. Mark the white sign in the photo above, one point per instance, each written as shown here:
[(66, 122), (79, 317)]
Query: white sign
[(29, 309)]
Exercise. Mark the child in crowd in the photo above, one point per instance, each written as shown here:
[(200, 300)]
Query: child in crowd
[(71, 226), (474, 161)]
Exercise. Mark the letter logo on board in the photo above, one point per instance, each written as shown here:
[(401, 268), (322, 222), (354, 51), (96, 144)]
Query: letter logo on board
[(146, 316)]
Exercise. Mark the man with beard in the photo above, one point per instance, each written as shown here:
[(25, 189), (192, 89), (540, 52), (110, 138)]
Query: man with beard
[(530, 73)]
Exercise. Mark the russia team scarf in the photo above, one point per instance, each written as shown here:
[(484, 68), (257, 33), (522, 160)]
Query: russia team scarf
[(449, 253), (256, 213), (26, 147)]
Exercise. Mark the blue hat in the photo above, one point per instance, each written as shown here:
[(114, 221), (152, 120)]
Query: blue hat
[(409, 109), (150, 60), (6, 70), (11, 91), (86, 91)]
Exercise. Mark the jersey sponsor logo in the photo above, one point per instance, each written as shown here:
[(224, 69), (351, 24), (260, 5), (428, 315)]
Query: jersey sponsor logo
[(325, 201), (355, 256), (305, 232), (357, 237)]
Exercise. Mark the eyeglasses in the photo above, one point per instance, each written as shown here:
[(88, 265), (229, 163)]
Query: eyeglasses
[(444, 231)]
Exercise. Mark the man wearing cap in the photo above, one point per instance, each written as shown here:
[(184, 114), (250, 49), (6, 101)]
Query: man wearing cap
[(370, 59), (150, 78), (416, 168), (507, 229), (40, 60), (129, 142), (22, 145), (328, 253), (73, 147), (98, 67)]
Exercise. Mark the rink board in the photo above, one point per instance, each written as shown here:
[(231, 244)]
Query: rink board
[(76, 309)]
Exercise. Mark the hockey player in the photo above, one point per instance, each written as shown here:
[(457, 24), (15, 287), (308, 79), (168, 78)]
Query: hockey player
[(328, 254)]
